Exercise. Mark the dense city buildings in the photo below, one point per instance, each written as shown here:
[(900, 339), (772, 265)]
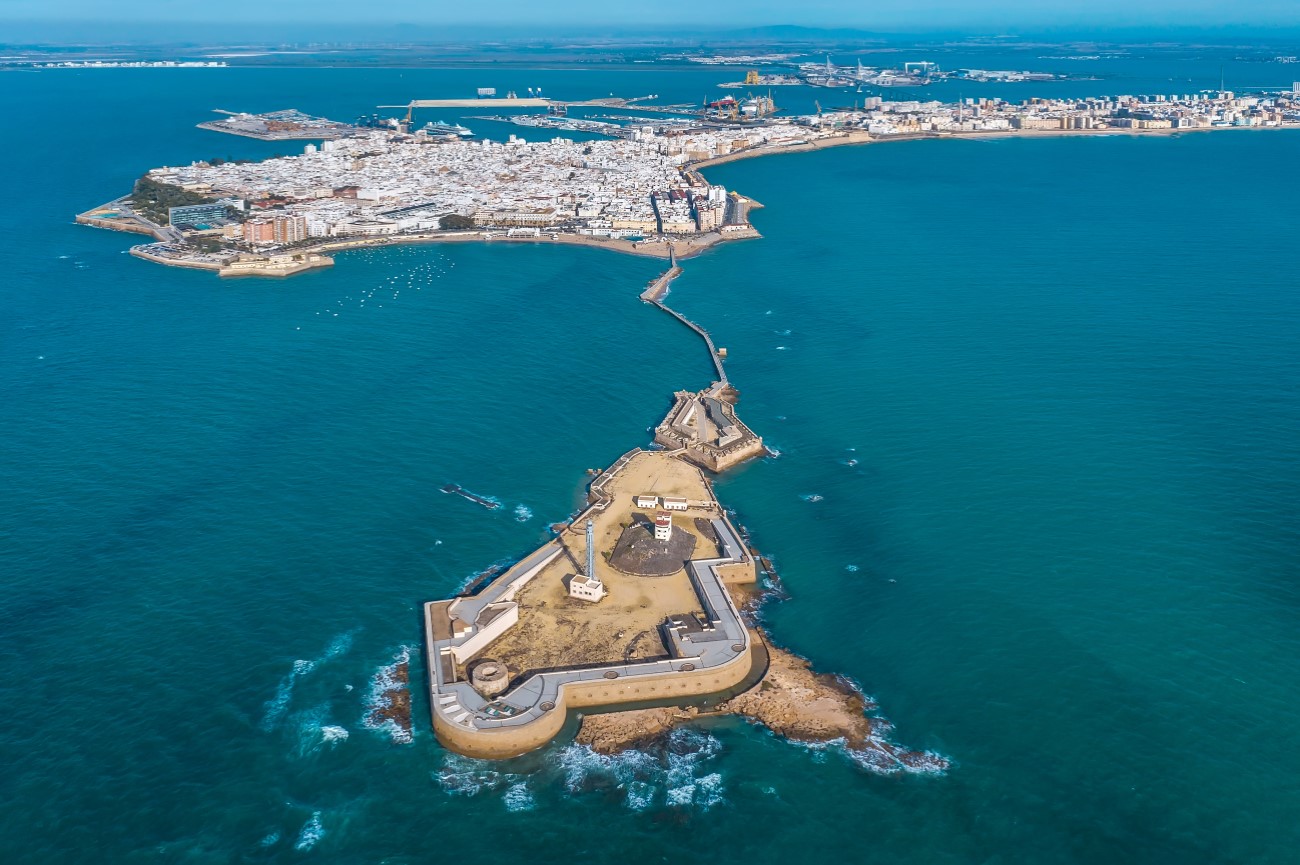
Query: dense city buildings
[(639, 188)]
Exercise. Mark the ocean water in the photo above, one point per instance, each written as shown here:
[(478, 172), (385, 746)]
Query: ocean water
[(1038, 423)]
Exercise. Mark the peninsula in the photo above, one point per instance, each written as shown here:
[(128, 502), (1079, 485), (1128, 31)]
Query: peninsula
[(638, 190)]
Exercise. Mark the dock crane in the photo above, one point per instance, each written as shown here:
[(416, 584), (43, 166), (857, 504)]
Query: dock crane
[(820, 125)]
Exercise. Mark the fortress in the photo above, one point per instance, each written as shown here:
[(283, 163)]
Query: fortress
[(704, 428), (507, 664)]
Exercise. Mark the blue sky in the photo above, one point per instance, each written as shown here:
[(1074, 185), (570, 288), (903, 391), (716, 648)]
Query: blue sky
[(677, 15)]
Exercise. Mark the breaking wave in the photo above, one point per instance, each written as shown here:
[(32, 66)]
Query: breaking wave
[(385, 686), (275, 708), (465, 776), (332, 735), (673, 774), (881, 757), (523, 513), (811, 497), (312, 831), (519, 798)]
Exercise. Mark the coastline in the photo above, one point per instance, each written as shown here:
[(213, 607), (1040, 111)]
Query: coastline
[(679, 246)]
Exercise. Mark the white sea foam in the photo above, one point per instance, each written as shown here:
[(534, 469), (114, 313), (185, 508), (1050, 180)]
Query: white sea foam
[(670, 774), (811, 497), (523, 513), (781, 348), (307, 726), (852, 569), (271, 838), (465, 776), (383, 682), (275, 708), (519, 798), (333, 735), (312, 831)]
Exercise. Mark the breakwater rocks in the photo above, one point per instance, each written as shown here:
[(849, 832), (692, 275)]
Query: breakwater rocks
[(791, 701), (390, 699)]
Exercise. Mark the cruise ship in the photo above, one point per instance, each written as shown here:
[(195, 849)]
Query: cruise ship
[(441, 127)]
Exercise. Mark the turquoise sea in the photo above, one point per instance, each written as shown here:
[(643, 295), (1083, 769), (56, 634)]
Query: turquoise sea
[(1037, 410)]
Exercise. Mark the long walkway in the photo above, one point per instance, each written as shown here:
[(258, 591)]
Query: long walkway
[(654, 294)]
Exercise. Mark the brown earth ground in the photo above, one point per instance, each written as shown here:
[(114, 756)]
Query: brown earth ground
[(556, 631)]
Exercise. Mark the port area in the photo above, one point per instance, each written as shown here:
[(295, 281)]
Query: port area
[(287, 125), (507, 664)]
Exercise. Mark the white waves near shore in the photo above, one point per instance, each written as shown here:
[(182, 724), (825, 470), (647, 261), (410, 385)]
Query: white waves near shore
[(275, 708)]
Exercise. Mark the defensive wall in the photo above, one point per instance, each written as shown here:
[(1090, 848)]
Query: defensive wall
[(705, 657)]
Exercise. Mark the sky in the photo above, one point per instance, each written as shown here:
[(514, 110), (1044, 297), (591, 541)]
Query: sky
[(184, 18)]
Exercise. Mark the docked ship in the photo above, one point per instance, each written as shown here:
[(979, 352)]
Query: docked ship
[(442, 128)]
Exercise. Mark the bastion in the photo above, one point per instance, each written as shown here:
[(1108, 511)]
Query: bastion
[(508, 663)]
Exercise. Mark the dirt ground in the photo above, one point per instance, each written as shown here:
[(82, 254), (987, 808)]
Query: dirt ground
[(556, 631)]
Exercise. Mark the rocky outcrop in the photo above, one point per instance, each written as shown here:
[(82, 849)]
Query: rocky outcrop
[(620, 731), (791, 701), (798, 704)]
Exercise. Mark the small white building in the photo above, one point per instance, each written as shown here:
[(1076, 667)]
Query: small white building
[(647, 501), (663, 526), (586, 588), (675, 503)]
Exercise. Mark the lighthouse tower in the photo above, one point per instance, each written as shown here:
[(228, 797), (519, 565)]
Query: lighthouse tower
[(663, 526), (588, 586)]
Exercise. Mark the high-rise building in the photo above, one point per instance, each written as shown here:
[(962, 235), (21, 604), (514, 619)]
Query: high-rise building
[(259, 231), (289, 229)]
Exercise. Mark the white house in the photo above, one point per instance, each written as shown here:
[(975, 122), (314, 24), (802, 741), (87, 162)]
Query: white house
[(586, 588), (675, 503), (647, 501)]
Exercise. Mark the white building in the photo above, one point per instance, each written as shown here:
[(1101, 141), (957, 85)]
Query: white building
[(675, 503), (647, 501), (586, 588), (663, 526)]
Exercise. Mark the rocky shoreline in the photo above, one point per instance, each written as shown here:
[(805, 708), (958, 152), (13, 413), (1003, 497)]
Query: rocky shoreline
[(390, 702), (790, 700)]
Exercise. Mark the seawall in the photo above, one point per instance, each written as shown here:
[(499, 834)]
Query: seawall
[(503, 742)]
